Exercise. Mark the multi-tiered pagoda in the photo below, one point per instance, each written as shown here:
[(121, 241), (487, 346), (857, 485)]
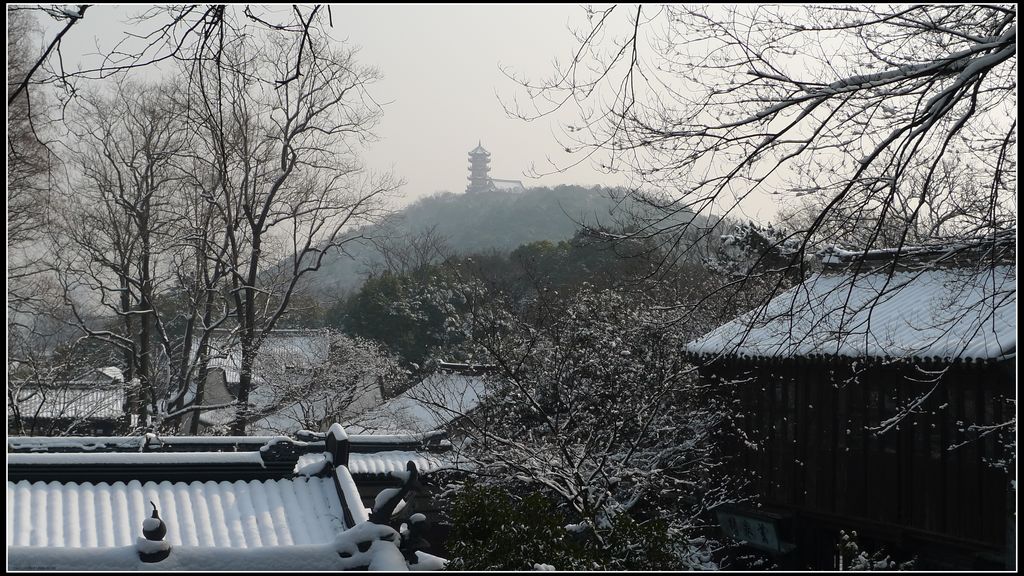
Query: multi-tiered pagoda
[(479, 170), (479, 160)]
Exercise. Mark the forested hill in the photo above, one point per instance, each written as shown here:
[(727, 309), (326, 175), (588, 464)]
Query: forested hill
[(472, 223)]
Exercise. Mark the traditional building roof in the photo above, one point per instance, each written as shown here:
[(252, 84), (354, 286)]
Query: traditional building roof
[(507, 185), (431, 405), (479, 150), (385, 463), (71, 400), (944, 313), (253, 509), (99, 395), (240, 514), (296, 351), (285, 363)]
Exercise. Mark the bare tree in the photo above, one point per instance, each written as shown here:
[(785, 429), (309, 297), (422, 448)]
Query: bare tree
[(201, 203), (181, 33), (893, 126), (117, 225), (29, 169), (288, 183), (410, 252)]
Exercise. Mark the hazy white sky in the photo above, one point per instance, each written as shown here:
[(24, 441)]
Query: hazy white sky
[(440, 88), (442, 77)]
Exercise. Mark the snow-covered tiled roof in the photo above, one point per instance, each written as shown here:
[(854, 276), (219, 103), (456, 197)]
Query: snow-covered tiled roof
[(282, 350), (395, 461), (379, 463), (73, 401), (209, 514), (945, 313), (430, 405), (312, 521), (112, 372), (508, 185)]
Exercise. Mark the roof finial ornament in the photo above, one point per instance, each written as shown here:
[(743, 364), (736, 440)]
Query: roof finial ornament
[(152, 547), (389, 499)]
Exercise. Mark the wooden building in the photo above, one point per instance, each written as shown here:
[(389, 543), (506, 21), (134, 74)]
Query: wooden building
[(878, 397)]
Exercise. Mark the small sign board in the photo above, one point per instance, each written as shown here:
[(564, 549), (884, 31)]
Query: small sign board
[(758, 532)]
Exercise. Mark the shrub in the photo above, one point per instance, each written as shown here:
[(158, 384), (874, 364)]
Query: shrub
[(495, 529)]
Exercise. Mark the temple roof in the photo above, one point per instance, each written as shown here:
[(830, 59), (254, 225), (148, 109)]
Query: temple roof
[(239, 514), (479, 150), (277, 504), (945, 313)]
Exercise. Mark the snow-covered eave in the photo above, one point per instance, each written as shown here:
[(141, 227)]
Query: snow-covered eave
[(310, 441), (836, 257), (135, 458), (125, 558), (342, 554), (705, 357)]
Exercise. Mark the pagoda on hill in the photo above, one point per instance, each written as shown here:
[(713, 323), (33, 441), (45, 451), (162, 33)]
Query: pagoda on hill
[(479, 160), (479, 178)]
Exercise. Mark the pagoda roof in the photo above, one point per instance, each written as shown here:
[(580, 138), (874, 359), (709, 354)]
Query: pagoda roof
[(479, 150)]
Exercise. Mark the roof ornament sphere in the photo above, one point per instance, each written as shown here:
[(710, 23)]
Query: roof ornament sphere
[(154, 528), (152, 547)]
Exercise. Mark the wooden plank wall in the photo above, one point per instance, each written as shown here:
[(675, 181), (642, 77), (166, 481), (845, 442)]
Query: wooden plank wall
[(809, 417)]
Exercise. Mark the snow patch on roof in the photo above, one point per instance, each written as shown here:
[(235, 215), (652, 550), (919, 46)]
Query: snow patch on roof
[(430, 405), (394, 461), (112, 372), (72, 402), (946, 313)]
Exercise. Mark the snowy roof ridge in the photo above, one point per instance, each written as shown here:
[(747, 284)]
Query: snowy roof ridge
[(1000, 248), (304, 440)]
